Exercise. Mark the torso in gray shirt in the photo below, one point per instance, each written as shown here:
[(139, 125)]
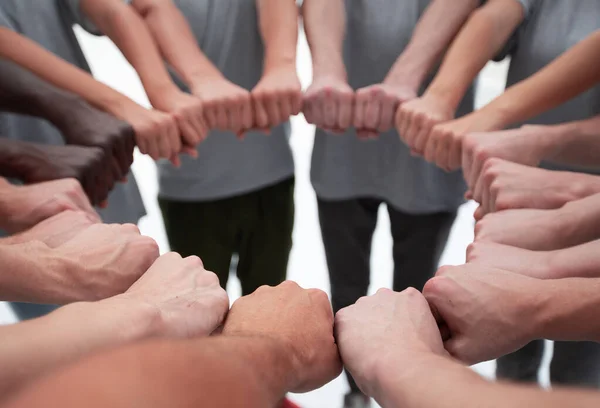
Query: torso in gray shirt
[(49, 23), (551, 28), (227, 32), (344, 167)]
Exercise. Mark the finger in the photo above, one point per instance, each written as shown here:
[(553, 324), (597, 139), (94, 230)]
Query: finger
[(386, 118), (189, 135), (247, 114), (454, 154), (344, 119), (285, 109), (359, 112), (478, 190), (442, 153), (210, 116), (330, 109), (152, 145), (190, 151), (296, 101), (405, 124), (476, 170), (373, 109), (273, 111), (318, 111), (222, 119), (478, 214), (431, 147), (486, 203), (234, 118), (413, 130), (261, 118)]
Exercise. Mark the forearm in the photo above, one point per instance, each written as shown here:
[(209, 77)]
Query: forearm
[(213, 372), (572, 73), (34, 348), (580, 220), (573, 143), (325, 27), (125, 27), (278, 21), (482, 37), (582, 261), (175, 40), (17, 157), (434, 32), (61, 74), (442, 383)]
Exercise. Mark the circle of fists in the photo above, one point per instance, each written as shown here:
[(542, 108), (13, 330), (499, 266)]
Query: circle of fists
[(332, 105)]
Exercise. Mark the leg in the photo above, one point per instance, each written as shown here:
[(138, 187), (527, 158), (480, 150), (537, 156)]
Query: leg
[(266, 237), (575, 364), (205, 229), (347, 229), (522, 365), (419, 241)]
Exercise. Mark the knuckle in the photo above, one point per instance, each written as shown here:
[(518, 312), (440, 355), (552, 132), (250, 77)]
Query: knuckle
[(194, 261), (130, 228)]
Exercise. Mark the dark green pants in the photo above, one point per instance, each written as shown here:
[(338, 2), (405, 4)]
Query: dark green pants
[(257, 226)]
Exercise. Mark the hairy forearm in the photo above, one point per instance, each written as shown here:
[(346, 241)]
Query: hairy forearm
[(61, 74), (213, 372), (34, 348), (434, 32), (278, 21), (574, 143), (574, 72), (482, 37), (439, 382), (175, 40), (125, 27), (325, 27)]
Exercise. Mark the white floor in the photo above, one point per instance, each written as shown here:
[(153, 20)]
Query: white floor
[(307, 263)]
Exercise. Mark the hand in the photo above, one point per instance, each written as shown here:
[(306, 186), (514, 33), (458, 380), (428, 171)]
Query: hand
[(443, 145), (504, 185), (537, 230), (536, 264), (188, 112), (416, 118), (91, 127), (25, 206), (107, 259), (276, 97), (385, 329), (375, 107), (188, 298), (227, 106), (301, 321), (328, 104), (55, 230), (489, 312), (521, 146), (156, 133)]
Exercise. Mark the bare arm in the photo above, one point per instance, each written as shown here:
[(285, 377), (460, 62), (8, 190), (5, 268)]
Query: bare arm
[(279, 30)]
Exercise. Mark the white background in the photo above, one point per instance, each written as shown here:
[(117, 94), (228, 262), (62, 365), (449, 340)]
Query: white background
[(307, 262)]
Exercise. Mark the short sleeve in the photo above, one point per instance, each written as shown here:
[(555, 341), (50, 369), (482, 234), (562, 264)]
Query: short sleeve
[(73, 9), (511, 45)]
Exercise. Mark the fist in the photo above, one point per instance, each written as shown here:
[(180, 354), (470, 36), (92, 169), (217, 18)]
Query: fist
[(386, 328), (105, 260), (489, 312), (299, 320), (276, 97), (328, 104), (375, 107), (536, 264), (416, 118), (189, 299), (26, 206)]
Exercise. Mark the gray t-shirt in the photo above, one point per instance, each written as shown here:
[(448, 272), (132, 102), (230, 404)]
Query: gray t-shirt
[(227, 32), (50, 23), (551, 28), (344, 167)]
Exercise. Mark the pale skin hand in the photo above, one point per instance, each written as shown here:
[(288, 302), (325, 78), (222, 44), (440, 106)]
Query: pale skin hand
[(25, 206), (536, 264), (375, 106), (503, 185), (188, 298), (383, 330), (300, 318), (55, 230), (329, 104), (481, 329)]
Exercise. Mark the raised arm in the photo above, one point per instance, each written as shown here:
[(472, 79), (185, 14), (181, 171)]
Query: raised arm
[(126, 28), (482, 37), (226, 106), (260, 356), (278, 94), (432, 35)]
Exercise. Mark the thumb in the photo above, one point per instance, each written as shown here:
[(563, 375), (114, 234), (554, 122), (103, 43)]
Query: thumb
[(460, 347)]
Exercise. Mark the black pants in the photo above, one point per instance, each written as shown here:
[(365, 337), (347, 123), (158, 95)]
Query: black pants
[(347, 228), (257, 226), (573, 364)]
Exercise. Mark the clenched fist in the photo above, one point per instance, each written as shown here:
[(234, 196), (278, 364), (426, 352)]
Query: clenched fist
[(276, 97), (329, 104)]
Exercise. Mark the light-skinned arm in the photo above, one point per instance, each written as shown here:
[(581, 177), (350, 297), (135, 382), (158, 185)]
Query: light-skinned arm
[(260, 356), (376, 105), (480, 39), (573, 143), (150, 126), (572, 73), (127, 29), (278, 94), (226, 106), (397, 356), (177, 298)]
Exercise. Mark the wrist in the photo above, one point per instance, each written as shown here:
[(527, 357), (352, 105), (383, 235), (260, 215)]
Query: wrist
[(279, 62)]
